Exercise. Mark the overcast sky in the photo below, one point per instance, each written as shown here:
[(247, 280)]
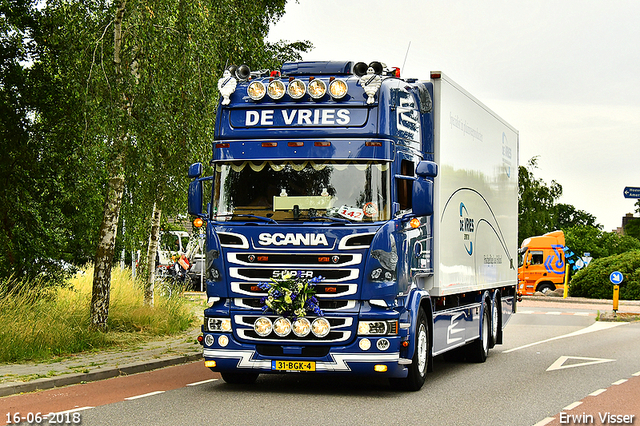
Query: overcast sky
[(565, 73)]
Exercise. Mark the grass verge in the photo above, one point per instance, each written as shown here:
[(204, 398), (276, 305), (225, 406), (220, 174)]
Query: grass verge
[(40, 322)]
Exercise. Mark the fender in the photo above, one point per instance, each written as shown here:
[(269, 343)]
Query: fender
[(414, 300)]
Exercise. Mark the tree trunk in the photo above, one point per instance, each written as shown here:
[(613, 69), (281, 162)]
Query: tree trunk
[(152, 249), (106, 247), (109, 227)]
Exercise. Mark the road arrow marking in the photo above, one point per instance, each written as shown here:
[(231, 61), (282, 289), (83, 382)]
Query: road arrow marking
[(596, 326), (559, 364)]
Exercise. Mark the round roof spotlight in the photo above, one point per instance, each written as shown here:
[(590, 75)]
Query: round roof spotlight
[(296, 89), (377, 67), (232, 69), (276, 89), (256, 90), (360, 69), (338, 89), (317, 88), (243, 72)]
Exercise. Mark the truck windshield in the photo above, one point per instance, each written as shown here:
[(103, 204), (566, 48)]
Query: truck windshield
[(302, 190)]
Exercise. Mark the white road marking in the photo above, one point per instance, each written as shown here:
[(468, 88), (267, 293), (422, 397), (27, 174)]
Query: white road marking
[(619, 382), (545, 421), (596, 326), (202, 382), (73, 410), (558, 364), (598, 392), (572, 406), (144, 395)]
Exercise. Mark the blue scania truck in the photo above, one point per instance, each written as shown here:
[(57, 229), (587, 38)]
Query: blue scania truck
[(396, 196)]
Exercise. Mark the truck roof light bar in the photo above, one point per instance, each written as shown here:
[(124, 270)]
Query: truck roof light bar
[(294, 144), (322, 144), (269, 144)]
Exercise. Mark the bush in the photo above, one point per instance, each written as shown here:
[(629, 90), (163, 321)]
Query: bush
[(593, 281), (39, 324)]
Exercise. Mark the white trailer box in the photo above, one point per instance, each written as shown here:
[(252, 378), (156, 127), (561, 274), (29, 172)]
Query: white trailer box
[(476, 194)]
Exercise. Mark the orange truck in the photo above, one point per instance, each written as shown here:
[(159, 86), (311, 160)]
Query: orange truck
[(542, 264)]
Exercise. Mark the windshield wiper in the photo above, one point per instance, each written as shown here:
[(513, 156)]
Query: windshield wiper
[(264, 219), (334, 219)]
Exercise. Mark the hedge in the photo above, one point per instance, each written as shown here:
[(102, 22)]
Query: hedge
[(593, 281)]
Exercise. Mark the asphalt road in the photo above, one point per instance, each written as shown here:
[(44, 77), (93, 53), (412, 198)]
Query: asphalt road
[(553, 361)]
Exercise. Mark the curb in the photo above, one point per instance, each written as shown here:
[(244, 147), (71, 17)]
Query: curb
[(12, 388)]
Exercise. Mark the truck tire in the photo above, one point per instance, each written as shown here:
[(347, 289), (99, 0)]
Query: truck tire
[(234, 378), (420, 361), (496, 322), (546, 288), (479, 348)]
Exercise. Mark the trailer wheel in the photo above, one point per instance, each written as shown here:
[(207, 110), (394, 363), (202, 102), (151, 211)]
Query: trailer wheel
[(239, 378), (479, 348), (418, 367), (495, 322)]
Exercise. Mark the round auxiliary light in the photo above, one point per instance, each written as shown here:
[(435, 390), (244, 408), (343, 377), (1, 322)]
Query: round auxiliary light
[(296, 89), (276, 89), (208, 340), (223, 340), (263, 326), (317, 88), (320, 327), (338, 89), (282, 327), (365, 344), (256, 90), (301, 327)]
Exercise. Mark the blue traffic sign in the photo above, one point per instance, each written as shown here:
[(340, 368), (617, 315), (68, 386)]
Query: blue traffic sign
[(631, 192), (616, 277)]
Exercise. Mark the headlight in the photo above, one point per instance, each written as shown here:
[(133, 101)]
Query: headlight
[(338, 89), (301, 327), (263, 326), (378, 327), (320, 327), (317, 88), (219, 324), (282, 327), (296, 89), (256, 90), (276, 89)]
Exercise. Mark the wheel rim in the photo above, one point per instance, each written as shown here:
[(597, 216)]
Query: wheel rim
[(422, 349), (485, 334), (494, 321)]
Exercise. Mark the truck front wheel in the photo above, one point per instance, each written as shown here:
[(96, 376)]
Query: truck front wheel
[(418, 368)]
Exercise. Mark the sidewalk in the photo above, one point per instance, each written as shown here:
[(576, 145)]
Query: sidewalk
[(86, 367)]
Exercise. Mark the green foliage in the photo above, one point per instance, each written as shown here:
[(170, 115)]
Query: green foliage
[(538, 210), (632, 228), (67, 109), (38, 324), (593, 282), (588, 239)]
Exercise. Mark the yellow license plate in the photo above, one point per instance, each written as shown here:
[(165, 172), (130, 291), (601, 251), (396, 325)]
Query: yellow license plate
[(293, 365)]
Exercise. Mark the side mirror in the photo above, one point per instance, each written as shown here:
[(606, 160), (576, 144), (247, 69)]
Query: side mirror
[(427, 169), (422, 197), (195, 170), (194, 198)]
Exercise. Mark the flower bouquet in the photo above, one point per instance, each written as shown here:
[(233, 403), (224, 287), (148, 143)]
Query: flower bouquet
[(291, 296)]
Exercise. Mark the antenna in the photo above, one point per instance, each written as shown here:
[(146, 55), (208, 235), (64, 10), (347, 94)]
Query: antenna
[(405, 56)]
